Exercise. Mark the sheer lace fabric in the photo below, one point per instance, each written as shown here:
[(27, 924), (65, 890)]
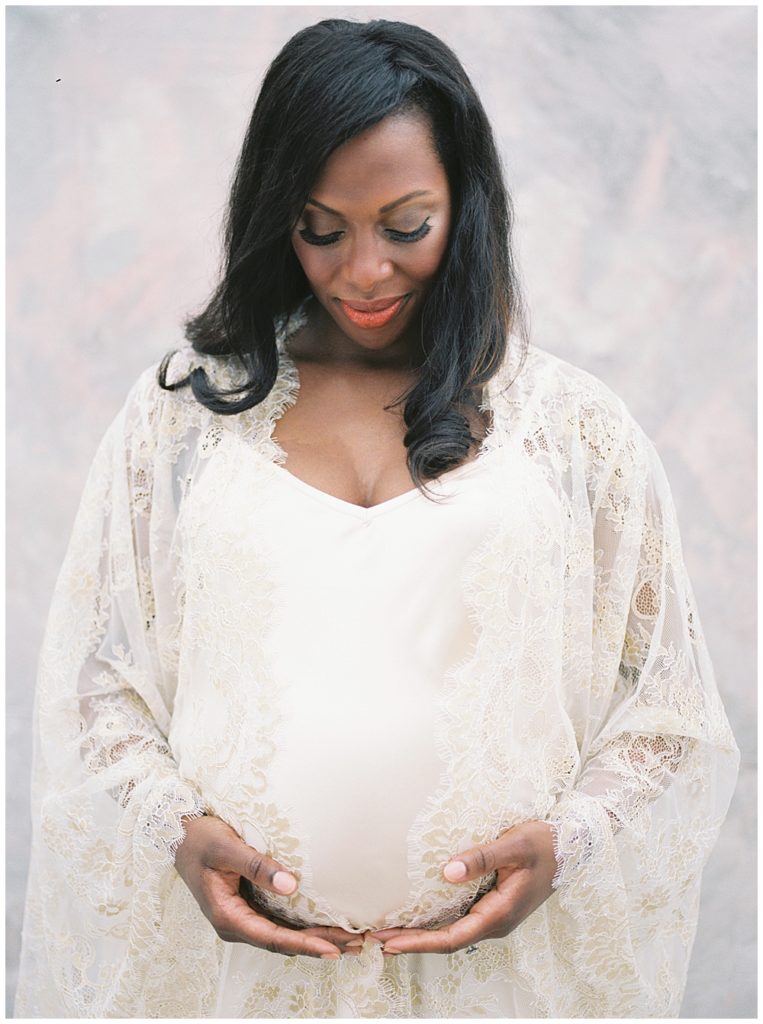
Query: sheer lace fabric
[(586, 699)]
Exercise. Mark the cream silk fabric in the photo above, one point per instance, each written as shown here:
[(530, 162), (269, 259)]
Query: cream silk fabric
[(365, 693)]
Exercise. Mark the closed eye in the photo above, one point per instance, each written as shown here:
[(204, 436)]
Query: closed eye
[(313, 239), (396, 236), (410, 236)]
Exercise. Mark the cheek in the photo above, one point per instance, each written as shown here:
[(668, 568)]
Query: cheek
[(426, 262), (317, 264)]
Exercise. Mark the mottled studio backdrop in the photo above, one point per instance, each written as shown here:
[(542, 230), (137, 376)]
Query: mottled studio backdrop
[(629, 140)]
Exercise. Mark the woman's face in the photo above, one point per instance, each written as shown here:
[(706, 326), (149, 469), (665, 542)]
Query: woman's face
[(374, 231)]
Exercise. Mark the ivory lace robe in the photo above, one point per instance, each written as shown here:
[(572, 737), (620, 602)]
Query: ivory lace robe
[(585, 697)]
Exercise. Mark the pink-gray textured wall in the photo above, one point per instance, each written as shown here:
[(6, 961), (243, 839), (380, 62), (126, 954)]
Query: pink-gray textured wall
[(628, 135)]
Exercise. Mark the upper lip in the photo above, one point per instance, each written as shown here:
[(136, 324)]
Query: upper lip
[(375, 306)]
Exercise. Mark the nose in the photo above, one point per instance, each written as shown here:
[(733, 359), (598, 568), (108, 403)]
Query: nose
[(367, 266)]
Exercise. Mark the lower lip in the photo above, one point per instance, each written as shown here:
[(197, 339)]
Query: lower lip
[(376, 319)]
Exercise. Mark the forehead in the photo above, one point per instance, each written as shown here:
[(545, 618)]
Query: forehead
[(386, 161)]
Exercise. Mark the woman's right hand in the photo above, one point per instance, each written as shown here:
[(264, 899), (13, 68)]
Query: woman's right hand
[(212, 860)]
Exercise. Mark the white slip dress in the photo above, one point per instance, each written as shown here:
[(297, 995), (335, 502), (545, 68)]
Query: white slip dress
[(369, 627)]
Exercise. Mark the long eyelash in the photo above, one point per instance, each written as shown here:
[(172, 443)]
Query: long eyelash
[(411, 236), (397, 236), (313, 239)]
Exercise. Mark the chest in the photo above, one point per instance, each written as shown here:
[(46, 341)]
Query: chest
[(345, 435), (340, 438)]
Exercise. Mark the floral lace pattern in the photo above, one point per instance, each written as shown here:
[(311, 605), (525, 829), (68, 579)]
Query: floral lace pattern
[(588, 700)]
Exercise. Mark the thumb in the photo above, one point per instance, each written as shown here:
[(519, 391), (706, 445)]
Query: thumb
[(479, 861), (261, 870)]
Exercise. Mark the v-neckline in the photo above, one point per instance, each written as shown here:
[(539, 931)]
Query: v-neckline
[(372, 511), (290, 379)]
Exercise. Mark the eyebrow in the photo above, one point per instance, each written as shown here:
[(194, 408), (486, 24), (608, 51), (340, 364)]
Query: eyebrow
[(382, 209)]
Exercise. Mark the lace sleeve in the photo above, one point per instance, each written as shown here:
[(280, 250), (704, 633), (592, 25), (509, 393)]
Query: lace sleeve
[(108, 798), (122, 741), (658, 763), (664, 704), (123, 744)]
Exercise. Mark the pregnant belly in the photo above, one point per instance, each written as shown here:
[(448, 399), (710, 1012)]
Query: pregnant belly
[(335, 766), (353, 799), (354, 782)]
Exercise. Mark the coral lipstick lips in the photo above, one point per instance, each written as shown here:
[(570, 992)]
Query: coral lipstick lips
[(372, 317)]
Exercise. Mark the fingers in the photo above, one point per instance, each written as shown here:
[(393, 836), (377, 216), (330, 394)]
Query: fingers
[(334, 934), (256, 899), (495, 915), (348, 942), (259, 931), (219, 868), (344, 940), (474, 863), (327, 942), (387, 933), (464, 932), (235, 921), (512, 849), (230, 853), (230, 862)]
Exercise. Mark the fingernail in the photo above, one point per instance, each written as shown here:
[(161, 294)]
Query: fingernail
[(284, 882), (330, 956), (455, 871), (354, 942), (379, 942), (392, 951)]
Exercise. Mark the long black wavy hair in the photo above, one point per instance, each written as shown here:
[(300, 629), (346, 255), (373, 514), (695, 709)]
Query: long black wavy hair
[(330, 82)]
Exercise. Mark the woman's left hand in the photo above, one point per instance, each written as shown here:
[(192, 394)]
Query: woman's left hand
[(523, 858)]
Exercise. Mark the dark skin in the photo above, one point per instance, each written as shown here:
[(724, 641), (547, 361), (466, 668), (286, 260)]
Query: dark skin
[(339, 438)]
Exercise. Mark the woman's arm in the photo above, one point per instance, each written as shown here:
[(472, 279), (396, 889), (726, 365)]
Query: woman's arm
[(625, 842), (111, 808), (105, 683), (664, 718)]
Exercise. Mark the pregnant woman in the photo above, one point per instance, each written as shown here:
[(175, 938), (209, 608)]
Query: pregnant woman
[(373, 684)]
